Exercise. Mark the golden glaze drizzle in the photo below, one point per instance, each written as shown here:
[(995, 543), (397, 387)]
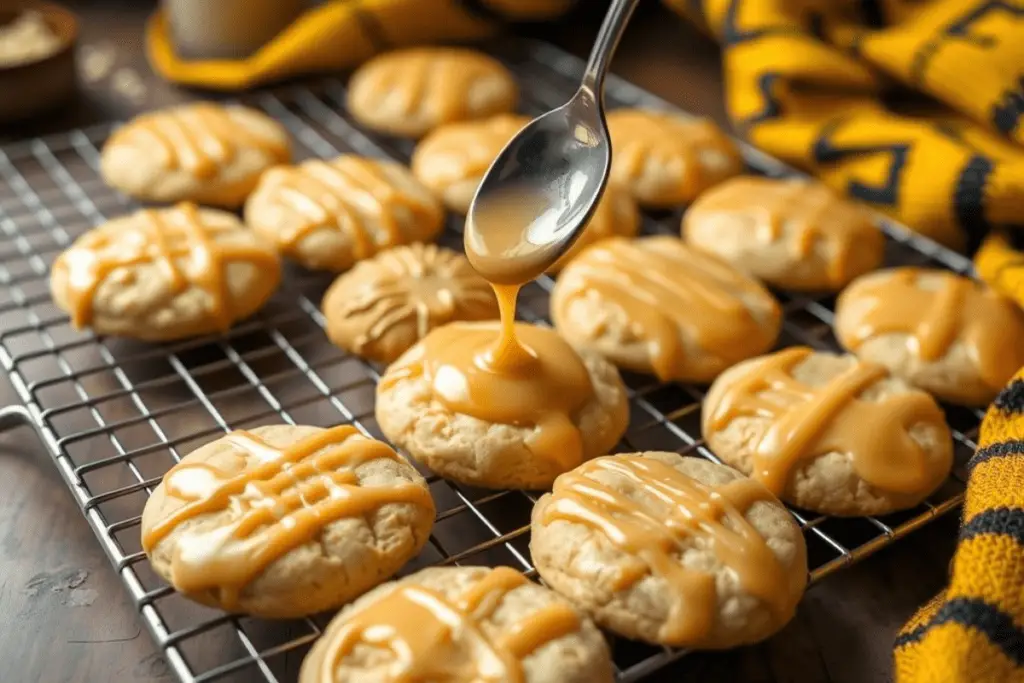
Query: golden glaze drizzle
[(279, 504), (808, 422), (530, 379), (435, 639), (811, 210), (199, 138), (177, 240), (422, 284), (636, 134), (351, 193), (666, 287), (436, 80), (958, 309), (463, 151), (655, 524)]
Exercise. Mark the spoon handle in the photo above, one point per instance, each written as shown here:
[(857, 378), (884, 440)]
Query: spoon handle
[(604, 46)]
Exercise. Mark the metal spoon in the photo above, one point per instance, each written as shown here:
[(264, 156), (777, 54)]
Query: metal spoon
[(542, 189)]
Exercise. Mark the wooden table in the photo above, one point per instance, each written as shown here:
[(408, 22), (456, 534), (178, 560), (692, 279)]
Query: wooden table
[(64, 615)]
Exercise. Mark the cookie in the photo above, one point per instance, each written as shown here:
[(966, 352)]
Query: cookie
[(453, 159), (284, 521), (412, 91), (460, 624), (388, 303), (666, 159), (616, 215), (791, 234), (201, 152), (671, 550), (445, 404), (655, 305), (829, 433), (940, 331), (162, 274), (327, 215)]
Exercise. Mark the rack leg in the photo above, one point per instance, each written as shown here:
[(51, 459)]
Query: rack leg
[(14, 416)]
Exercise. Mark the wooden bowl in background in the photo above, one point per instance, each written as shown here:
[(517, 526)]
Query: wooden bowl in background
[(31, 88)]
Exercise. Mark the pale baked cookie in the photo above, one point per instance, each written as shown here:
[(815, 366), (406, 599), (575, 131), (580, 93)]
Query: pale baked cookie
[(327, 215), (411, 91), (498, 431), (656, 305), (666, 159), (202, 152), (165, 274), (284, 521), (616, 215), (671, 550), (791, 234), (942, 332), (460, 625), (452, 159), (388, 303), (829, 433)]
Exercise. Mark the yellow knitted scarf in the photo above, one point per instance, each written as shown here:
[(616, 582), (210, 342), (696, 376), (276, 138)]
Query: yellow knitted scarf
[(823, 84)]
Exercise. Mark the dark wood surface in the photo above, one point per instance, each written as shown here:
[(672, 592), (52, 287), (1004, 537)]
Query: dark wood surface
[(64, 615)]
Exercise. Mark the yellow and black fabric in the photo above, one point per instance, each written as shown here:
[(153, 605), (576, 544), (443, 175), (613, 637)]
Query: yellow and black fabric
[(974, 630), (823, 84)]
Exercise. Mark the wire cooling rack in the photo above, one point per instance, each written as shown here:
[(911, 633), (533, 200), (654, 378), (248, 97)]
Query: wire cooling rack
[(116, 414)]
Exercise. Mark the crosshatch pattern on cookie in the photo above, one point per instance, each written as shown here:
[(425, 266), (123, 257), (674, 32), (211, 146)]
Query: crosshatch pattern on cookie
[(116, 414)]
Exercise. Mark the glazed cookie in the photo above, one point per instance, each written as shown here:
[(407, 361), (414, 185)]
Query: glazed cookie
[(452, 159), (388, 303), (829, 433), (460, 625), (791, 234), (616, 215), (443, 403), (412, 91), (671, 550), (284, 521), (328, 215), (165, 274), (665, 159), (656, 305), (942, 332), (202, 152)]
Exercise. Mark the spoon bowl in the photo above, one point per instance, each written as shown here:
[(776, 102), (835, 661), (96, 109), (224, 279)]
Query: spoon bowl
[(537, 196), (542, 186)]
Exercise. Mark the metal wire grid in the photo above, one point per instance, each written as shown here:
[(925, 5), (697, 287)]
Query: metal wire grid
[(115, 414)]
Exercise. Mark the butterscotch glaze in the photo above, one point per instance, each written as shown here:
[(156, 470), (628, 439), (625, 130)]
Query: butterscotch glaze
[(422, 285), (277, 504), (665, 512), (808, 422), (199, 138), (937, 309), (432, 638), (436, 80), (187, 250), (534, 379), (668, 289), (638, 134), (349, 192), (452, 159), (812, 211)]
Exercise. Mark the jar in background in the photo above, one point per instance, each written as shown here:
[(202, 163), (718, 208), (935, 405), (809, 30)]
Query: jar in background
[(227, 29)]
